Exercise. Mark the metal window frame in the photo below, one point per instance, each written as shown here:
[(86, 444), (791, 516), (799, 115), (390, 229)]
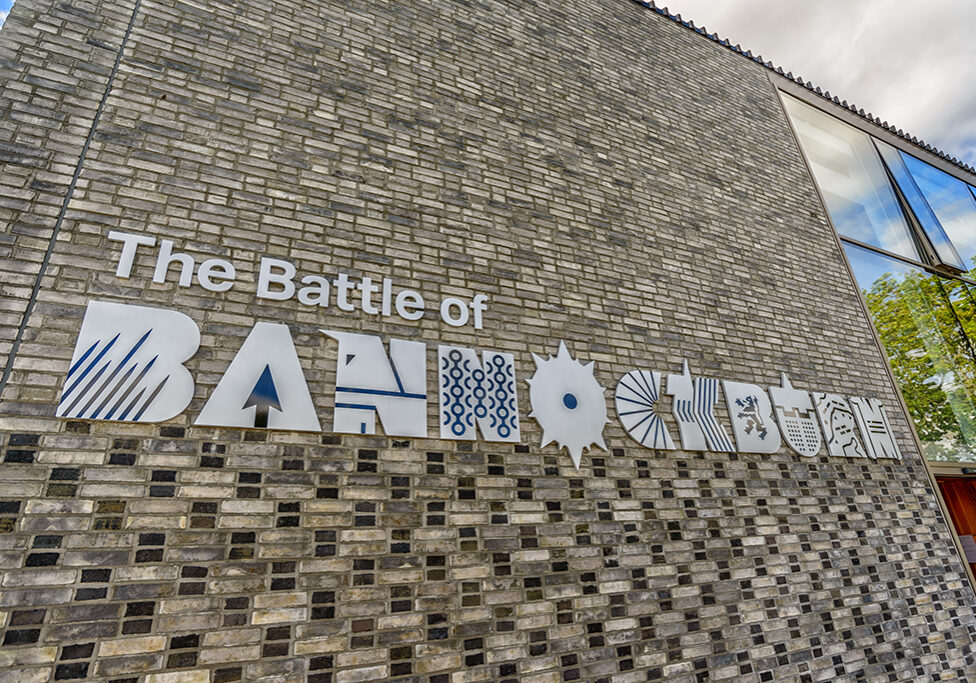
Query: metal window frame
[(922, 233)]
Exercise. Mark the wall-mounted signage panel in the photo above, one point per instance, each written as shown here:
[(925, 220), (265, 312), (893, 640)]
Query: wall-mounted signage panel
[(128, 366)]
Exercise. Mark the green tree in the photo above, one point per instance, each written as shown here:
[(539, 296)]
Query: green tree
[(926, 323)]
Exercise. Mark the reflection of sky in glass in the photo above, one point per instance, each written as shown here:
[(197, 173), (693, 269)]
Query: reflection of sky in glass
[(854, 184), (869, 266), (920, 207), (952, 203)]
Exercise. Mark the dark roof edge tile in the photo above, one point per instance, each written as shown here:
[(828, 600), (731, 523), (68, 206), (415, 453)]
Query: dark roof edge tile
[(724, 42)]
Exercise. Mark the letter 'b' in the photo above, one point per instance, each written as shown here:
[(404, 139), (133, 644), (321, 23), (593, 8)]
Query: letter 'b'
[(128, 364)]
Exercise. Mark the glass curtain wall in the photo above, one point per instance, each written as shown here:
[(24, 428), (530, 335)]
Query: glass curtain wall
[(909, 231)]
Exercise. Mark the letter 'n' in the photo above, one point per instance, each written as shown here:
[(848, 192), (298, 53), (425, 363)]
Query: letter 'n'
[(369, 384), (473, 392)]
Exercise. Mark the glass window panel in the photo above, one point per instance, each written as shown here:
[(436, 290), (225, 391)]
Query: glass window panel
[(920, 207), (922, 320), (952, 202), (848, 170)]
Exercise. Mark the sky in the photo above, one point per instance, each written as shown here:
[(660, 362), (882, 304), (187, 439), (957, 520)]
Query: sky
[(911, 64)]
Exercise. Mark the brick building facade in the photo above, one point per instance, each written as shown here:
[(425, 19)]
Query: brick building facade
[(610, 179)]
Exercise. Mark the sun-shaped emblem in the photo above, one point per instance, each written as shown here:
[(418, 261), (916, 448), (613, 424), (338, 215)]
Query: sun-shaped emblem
[(568, 403)]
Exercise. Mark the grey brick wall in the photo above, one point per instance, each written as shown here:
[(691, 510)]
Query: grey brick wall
[(609, 179), (56, 60)]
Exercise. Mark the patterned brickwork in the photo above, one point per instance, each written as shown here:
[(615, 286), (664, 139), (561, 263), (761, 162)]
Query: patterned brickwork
[(609, 179)]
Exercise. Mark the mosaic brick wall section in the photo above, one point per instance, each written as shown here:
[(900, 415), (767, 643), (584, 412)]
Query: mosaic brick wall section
[(608, 179)]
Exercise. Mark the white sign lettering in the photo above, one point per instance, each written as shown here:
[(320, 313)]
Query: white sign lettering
[(276, 281), (264, 386), (128, 360), (128, 364)]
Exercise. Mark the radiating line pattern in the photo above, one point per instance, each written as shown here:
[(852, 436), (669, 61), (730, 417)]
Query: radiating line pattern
[(636, 395), (109, 381)]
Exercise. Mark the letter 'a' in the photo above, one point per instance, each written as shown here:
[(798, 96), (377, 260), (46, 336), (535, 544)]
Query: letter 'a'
[(128, 364), (264, 386)]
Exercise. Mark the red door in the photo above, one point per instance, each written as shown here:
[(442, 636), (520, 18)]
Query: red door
[(960, 498)]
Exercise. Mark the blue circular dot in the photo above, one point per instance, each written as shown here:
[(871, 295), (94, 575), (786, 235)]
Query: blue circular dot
[(570, 401)]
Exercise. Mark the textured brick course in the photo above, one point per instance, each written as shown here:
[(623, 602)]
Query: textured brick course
[(609, 179)]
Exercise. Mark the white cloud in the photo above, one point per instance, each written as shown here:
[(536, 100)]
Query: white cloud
[(912, 66), (3, 16)]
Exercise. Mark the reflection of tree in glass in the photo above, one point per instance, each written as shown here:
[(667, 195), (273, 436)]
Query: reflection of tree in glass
[(923, 321)]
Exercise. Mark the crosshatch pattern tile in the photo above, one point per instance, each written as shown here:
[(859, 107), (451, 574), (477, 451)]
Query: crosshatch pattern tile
[(608, 178)]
